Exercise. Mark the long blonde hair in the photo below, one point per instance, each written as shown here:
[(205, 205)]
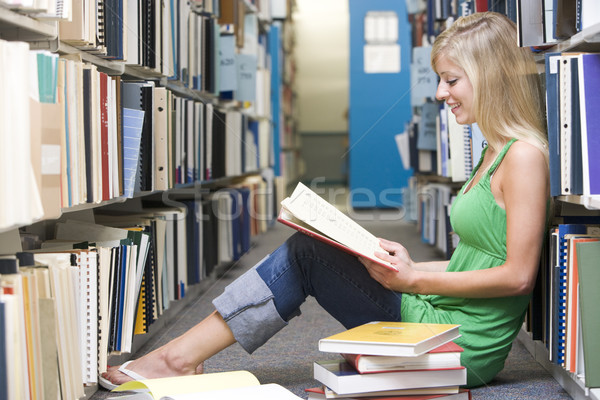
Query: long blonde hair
[(508, 101)]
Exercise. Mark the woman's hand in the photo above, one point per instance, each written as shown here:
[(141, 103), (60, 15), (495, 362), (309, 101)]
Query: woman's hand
[(397, 255)]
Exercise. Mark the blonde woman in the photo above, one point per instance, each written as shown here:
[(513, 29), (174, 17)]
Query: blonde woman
[(500, 216)]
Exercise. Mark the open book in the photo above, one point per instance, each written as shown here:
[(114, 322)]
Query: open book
[(308, 213), (214, 386)]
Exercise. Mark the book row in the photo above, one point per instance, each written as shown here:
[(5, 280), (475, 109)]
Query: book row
[(428, 205), (572, 82), (447, 149), (563, 313), (439, 145), (83, 296), (539, 22), (177, 39), (543, 23), (429, 17), (88, 137)]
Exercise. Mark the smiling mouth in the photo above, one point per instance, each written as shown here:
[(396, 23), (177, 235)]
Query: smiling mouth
[(453, 106)]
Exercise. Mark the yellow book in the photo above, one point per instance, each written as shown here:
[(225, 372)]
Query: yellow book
[(382, 338), (140, 318), (214, 386)]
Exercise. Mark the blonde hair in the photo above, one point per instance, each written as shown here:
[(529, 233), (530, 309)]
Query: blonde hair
[(508, 101)]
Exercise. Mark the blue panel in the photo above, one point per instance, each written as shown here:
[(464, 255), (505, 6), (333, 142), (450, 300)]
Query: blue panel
[(379, 109), (275, 52)]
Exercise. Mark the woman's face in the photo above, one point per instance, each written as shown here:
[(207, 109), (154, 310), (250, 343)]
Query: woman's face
[(455, 89)]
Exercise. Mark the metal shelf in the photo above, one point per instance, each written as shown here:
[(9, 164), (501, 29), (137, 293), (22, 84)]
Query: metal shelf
[(574, 385), (588, 40), (16, 26), (589, 202)]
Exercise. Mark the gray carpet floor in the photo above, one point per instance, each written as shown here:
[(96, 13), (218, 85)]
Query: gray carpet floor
[(287, 359)]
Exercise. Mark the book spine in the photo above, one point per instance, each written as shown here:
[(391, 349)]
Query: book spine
[(561, 303)]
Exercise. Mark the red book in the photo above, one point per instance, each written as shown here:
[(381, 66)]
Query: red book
[(444, 356), (481, 5), (343, 379)]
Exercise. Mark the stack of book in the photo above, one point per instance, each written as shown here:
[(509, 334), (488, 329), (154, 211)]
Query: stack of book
[(392, 360)]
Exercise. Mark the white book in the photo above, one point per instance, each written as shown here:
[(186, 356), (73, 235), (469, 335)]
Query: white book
[(460, 149), (166, 65), (270, 391), (590, 13), (565, 123), (199, 140), (88, 292), (130, 299), (190, 132), (307, 212), (63, 290), (530, 23), (132, 28), (103, 287), (181, 254), (222, 202), (441, 393), (209, 135), (340, 377)]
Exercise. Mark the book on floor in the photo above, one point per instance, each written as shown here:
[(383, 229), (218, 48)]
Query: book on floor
[(213, 386), (384, 338), (323, 394), (342, 378), (444, 356), (312, 215)]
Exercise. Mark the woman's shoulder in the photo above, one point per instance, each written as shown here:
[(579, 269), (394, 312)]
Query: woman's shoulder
[(524, 157), (521, 151)]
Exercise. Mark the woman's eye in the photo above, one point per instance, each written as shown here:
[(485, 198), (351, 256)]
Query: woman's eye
[(451, 82)]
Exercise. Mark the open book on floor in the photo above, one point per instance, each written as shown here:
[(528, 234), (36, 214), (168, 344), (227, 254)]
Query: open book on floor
[(214, 386), (310, 214)]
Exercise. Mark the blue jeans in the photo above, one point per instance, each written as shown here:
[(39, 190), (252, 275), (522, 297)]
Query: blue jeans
[(261, 301)]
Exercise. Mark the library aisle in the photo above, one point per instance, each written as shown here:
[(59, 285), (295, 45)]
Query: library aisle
[(287, 359)]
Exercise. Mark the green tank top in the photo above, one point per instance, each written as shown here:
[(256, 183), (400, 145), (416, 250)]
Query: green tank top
[(488, 326)]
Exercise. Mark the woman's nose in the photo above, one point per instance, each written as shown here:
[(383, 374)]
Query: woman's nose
[(441, 92)]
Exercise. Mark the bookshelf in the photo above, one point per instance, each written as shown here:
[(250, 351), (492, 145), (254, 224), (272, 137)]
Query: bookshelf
[(584, 207), (189, 170), (539, 332)]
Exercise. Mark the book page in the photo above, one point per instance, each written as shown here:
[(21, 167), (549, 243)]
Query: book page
[(271, 391), (164, 387), (313, 210)]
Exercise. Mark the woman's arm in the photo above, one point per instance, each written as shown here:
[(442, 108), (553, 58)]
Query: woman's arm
[(520, 185)]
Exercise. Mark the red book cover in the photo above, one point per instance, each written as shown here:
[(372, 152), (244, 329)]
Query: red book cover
[(481, 5), (442, 357)]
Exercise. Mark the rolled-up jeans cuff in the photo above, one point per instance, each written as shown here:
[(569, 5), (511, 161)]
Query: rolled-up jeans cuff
[(247, 307)]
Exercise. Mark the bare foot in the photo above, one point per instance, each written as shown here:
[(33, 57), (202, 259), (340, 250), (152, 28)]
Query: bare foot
[(156, 364), (181, 356)]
